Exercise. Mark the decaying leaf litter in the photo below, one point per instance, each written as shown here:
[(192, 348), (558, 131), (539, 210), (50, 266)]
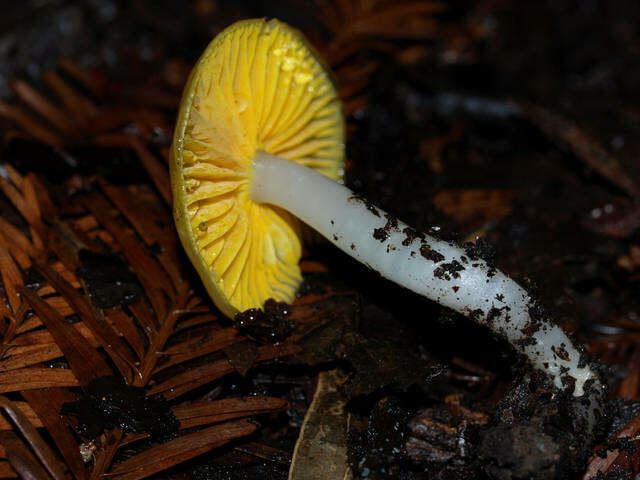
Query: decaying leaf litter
[(555, 205)]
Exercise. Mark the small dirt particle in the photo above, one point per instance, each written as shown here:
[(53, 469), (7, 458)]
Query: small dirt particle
[(380, 234), (427, 252), (411, 235), (493, 314), (269, 326), (392, 222), (561, 352), (369, 206), (448, 270)]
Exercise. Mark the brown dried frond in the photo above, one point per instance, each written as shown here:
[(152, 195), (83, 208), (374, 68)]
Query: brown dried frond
[(76, 116), (619, 454), (169, 340), (354, 26), (166, 331), (372, 24), (56, 339), (97, 116)]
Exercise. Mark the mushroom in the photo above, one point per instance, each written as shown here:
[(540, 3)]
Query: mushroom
[(259, 145)]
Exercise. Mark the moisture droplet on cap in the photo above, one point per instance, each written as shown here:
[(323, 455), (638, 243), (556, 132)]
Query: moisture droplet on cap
[(302, 77), (289, 63), (241, 103)]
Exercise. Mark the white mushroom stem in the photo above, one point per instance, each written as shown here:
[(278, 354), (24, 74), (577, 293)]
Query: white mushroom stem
[(439, 270)]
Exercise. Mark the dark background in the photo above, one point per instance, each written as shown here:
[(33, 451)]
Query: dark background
[(528, 102)]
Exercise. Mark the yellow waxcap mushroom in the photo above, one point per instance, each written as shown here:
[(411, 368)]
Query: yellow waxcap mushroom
[(258, 86), (260, 133)]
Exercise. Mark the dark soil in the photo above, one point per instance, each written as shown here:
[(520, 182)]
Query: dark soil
[(108, 280), (107, 403)]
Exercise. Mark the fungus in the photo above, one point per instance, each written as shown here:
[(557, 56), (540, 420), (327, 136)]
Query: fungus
[(259, 144)]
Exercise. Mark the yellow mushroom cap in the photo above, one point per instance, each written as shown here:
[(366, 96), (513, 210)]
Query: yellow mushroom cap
[(258, 86)]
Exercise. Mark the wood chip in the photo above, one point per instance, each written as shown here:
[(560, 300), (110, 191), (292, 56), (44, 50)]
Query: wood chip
[(321, 450)]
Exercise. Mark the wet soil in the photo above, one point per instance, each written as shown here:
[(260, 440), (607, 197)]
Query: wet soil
[(108, 403), (269, 324), (108, 280)]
